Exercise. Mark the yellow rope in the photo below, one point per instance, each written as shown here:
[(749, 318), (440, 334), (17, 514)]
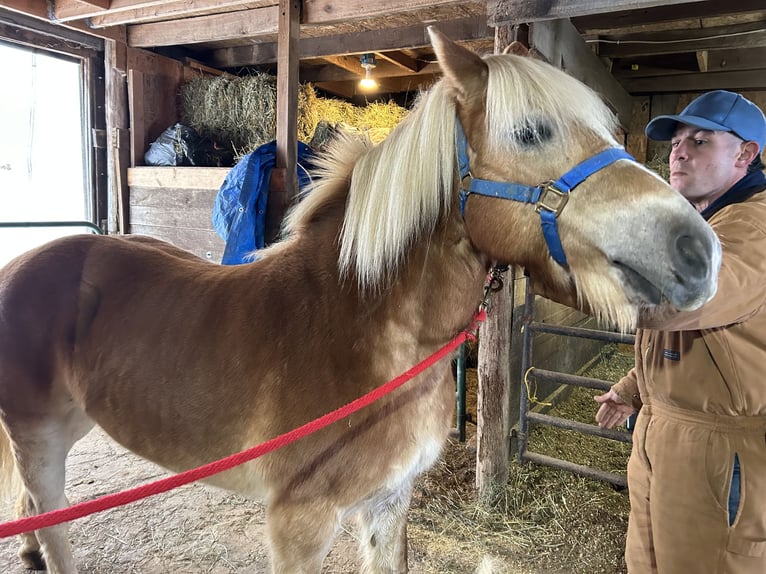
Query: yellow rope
[(532, 396)]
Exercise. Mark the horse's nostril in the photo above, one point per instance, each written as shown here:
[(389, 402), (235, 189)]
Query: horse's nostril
[(691, 258)]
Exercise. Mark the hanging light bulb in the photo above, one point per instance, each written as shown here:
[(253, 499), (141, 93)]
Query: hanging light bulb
[(368, 63)]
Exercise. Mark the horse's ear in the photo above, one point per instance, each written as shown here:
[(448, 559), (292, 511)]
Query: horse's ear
[(463, 70), (516, 48)]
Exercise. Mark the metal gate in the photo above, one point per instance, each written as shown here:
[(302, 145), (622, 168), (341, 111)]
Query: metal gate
[(527, 417)]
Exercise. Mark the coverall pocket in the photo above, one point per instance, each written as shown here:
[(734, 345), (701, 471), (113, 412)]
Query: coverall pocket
[(745, 547)]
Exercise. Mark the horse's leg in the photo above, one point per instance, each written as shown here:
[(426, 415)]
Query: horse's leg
[(300, 535), (383, 532), (41, 448), (29, 551)]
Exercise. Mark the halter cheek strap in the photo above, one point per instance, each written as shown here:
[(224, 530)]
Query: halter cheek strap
[(549, 197)]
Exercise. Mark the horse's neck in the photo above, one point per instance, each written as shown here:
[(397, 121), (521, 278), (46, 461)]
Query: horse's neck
[(441, 281)]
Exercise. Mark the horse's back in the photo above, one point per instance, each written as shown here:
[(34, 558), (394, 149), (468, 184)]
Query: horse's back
[(50, 295)]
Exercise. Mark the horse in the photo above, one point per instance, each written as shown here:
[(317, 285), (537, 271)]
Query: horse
[(384, 261)]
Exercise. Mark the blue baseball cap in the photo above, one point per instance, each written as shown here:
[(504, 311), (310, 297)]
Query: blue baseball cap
[(718, 111)]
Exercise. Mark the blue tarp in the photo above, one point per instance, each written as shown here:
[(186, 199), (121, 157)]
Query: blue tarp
[(239, 213)]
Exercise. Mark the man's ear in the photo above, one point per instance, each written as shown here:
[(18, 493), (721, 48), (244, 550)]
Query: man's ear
[(748, 152)]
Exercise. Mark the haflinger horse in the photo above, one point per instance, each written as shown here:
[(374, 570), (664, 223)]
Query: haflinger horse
[(382, 263)]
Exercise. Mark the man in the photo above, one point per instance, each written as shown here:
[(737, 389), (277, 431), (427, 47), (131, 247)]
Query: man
[(697, 472)]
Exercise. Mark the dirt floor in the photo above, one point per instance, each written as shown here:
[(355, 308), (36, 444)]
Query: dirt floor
[(549, 522)]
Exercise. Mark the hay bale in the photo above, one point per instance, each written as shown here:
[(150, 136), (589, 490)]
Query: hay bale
[(660, 166), (240, 112)]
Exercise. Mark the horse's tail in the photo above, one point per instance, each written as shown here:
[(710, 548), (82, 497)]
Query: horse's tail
[(10, 481)]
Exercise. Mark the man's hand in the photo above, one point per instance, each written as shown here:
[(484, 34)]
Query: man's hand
[(613, 410)]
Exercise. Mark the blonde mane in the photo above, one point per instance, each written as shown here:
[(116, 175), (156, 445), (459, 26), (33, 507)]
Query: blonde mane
[(399, 190)]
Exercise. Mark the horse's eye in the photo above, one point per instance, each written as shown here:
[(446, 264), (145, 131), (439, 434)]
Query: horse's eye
[(532, 134)]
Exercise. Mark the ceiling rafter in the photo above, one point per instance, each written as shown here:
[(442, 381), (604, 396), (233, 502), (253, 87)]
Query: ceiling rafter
[(154, 11), (262, 22), (460, 30), (509, 12), (750, 35)]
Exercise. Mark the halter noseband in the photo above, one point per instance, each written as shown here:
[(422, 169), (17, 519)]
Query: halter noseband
[(549, 197)]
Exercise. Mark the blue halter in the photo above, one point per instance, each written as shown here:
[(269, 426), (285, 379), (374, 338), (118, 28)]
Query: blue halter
[(549, 197)]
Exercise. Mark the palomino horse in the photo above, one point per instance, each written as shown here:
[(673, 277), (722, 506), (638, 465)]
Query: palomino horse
[(184, 362)]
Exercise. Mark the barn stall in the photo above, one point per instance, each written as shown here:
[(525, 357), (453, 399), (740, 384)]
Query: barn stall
[(645, 59)]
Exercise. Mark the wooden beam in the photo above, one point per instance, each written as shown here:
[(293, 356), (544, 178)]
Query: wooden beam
[(63, 9), (247, 23), (118, 130), (262, 21), (154, 10), (336, 11), (561, 44), (735, 81), (751, 35), (280, 197), (717, 61), (409, 65), (16, 11), (464, 29), (658, 18), (349, 63), (702, 60), (345, 68), (507, 12)]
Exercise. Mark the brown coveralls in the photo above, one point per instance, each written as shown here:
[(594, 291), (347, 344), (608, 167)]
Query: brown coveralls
[(703, 389)]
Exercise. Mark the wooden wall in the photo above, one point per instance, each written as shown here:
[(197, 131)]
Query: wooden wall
[(176, 204)]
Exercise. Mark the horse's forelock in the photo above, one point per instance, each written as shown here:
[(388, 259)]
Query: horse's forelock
[(398, 191), (522, 88)]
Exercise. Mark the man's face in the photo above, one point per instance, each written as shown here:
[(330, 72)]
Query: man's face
[(703, 164)]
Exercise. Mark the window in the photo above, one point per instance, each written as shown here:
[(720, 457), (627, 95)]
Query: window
[(51, 109)]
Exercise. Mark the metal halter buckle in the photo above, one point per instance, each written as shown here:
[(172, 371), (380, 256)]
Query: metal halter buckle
[(557, 202)]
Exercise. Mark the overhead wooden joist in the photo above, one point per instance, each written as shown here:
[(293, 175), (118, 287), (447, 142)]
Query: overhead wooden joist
[(460, 30), (507, 12), (263, 21), (752, 35)]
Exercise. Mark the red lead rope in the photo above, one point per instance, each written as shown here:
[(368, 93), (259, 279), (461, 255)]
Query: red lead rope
[(163, 485)]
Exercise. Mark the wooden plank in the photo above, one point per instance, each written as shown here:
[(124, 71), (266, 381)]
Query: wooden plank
[(561, 44), (163, 205), (178, 177), (203, 244), (130, 12), (735, 81), (507, 12), (260, 21), (63, 9), (493, 420), (287, 118), (750, 35), (658, 18), (138, 137), (39, 11), (718, 61), (463, 29), (153, 88), (117, 127), (168, 207), (264, 21), (403, 61)]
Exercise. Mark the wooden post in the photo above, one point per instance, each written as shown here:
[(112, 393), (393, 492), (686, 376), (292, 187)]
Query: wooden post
[(492, 401), (284, 184), (118, 142)]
